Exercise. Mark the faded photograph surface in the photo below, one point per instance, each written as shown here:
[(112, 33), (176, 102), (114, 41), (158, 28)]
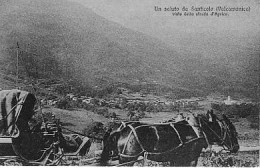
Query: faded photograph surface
[(129, 83)]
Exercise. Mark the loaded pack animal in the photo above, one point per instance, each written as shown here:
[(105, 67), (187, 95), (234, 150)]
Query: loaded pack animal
[(37, 143), (178, 143)]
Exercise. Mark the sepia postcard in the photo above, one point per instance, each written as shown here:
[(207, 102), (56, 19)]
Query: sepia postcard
[(129, 83)]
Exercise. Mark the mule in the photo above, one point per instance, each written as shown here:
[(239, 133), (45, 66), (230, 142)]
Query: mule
[(178, 143), (218, 131)]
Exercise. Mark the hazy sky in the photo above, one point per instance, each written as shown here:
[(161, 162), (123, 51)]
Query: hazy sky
[(141, 16)]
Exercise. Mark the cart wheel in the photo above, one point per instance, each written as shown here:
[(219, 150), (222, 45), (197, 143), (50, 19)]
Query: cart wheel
[(28, 146)]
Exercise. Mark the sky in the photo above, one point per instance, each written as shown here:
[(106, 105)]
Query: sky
[(140, 15)]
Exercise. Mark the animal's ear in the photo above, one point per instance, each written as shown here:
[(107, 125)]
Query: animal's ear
[(210, 115)]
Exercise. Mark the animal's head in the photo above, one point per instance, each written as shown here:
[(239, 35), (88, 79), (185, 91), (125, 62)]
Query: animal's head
[(211, 116), (231, 141), (110, 140), (109, 146), (222, 132)]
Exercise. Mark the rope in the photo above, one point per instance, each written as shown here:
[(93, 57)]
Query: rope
[(177, 133), (131, 156), (226, 132), (136, 136), (152, 153), (206, 138), (222, 140), (16, 116), (180, 145), (137, 139), (128, 137), (11, 111), (124, 124)]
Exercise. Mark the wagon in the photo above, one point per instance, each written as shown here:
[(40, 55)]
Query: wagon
[(44, 144)]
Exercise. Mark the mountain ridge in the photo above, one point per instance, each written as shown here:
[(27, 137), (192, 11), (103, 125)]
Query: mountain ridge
[(70, 41)]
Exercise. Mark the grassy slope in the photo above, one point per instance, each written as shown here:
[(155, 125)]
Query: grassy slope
[(76, 119)]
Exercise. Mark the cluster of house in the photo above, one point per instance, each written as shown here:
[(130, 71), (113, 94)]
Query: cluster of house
[(132, 102), (186, 103), (49, 102)]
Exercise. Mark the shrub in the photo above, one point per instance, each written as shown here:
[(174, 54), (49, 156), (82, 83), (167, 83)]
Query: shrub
[(150, 108), (101, 111), (130, 114), (95, 129), (112, 125), (254, 121), (63, 104), (216, 106), (242, 111), (89, 107), (135, 115), (141, 114), (214, 159), (112, 115)]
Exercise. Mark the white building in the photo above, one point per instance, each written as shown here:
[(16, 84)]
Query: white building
[(229, 101)]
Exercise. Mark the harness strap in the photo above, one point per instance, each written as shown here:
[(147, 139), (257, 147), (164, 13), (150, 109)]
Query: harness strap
[(131, 156), (11, 110), (225, 135), (128, 137), (180, 145), (133, 161), (135, 134), (221, 125), (222, 140), (153, 153), (205, 136), (138, 141), (171, 124), (19, 110), (16, 118), (223, 132), (123, 125)]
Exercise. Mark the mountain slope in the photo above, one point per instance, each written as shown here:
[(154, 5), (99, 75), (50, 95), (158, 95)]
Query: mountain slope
[(60, 39)]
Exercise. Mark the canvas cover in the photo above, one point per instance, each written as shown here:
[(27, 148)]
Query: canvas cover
[(14, 105)]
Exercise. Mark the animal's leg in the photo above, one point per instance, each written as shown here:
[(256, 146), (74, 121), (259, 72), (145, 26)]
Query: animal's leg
[(183, 161), (183, 164), (172, 164), (194, 162), (157, 140)]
